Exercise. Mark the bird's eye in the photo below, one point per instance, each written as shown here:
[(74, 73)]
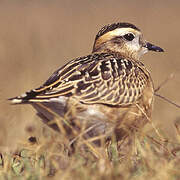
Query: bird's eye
[(129, 36)]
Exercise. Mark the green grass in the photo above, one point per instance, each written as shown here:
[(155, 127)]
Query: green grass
[(137, 157)]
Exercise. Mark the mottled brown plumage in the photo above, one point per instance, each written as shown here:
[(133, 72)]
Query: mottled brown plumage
[(109, 90)]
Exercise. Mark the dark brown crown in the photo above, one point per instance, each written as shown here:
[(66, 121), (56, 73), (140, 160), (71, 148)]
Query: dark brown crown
[(111, 27)]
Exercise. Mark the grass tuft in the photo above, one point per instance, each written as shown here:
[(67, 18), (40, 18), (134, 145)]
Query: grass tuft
[(136, 157)]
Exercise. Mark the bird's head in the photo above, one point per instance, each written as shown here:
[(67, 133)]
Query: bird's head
[(124, 39)]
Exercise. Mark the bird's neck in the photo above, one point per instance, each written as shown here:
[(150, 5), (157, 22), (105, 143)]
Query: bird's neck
[(117, 53)]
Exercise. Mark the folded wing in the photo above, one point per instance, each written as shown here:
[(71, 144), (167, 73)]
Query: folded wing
[(97, 78)]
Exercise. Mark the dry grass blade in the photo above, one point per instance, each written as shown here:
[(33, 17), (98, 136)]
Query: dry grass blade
[(161, 145), (164, 82), (58, 121), (152, 124), (177, 126), (161, 85), (167, 100)]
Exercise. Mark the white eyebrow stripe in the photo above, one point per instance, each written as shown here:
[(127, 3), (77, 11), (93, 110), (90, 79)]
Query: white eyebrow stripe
[(120, 32), (115, 33)]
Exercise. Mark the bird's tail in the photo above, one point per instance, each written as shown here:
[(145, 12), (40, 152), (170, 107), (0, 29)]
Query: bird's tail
[(24, 98)]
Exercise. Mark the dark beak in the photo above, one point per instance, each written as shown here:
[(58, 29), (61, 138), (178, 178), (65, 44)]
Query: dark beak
[(152, 47)]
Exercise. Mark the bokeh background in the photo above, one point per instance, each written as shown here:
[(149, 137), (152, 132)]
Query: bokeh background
[(38, 36)]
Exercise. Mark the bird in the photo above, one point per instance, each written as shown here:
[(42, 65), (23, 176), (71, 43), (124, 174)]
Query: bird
[(109, 91)]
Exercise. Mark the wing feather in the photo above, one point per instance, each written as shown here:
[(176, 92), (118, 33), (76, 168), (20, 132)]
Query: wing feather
[(97, 78)]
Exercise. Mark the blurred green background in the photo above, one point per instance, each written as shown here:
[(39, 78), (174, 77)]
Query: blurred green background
[(38, 36)]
